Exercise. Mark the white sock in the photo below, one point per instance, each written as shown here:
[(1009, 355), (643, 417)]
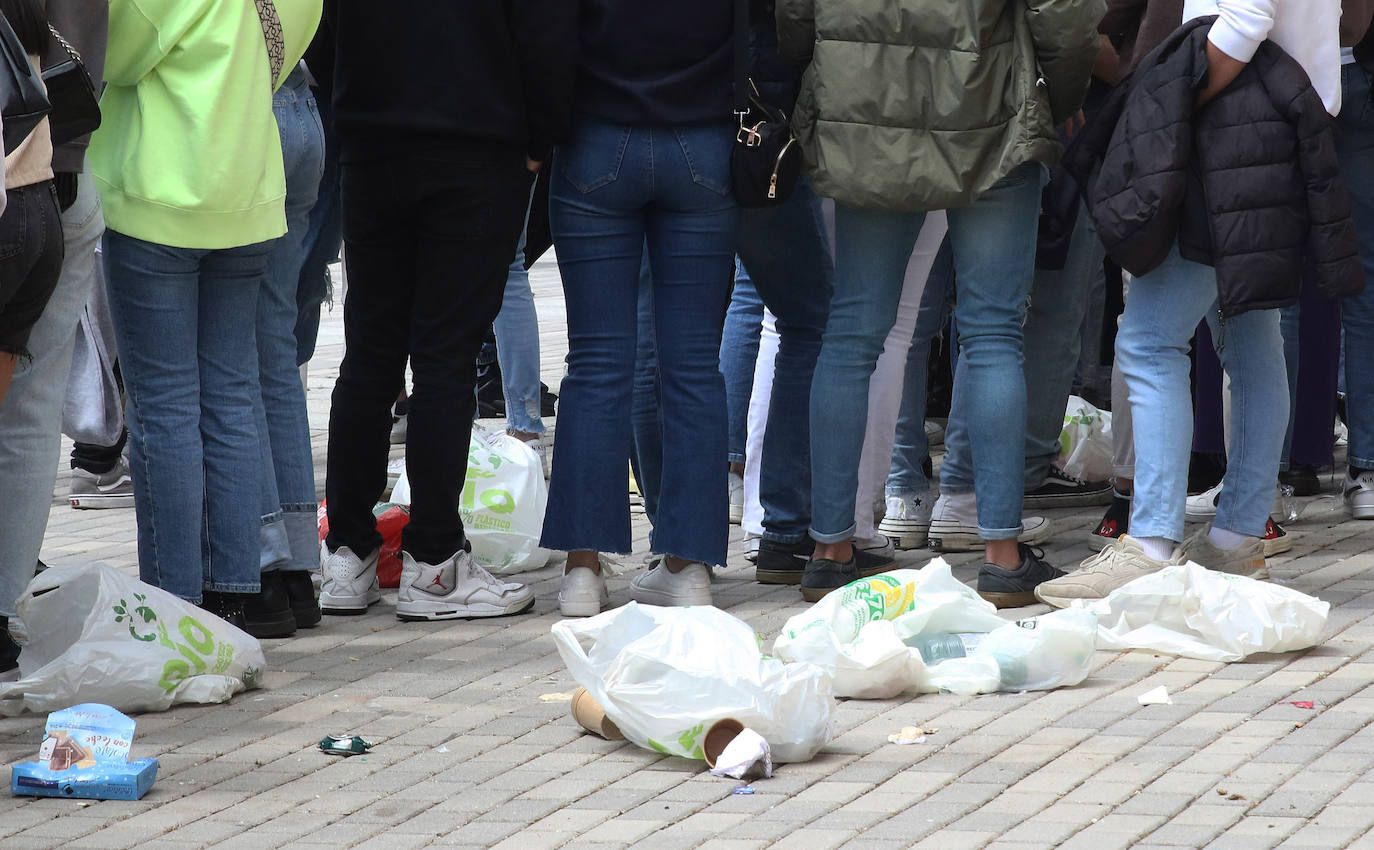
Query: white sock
[(1158, 548), (1224, 538)]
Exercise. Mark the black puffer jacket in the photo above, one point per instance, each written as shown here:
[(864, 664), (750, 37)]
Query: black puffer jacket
[(1249, 184)]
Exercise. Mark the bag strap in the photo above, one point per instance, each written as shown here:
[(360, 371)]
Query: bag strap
[(271, 32), (71, 51), (741, 61)]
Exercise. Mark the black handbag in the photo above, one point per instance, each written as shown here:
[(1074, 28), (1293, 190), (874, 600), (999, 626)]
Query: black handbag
[(75, 107), (765, 161), (22, 101)]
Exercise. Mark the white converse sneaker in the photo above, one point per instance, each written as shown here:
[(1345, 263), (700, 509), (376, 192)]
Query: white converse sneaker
[(907, 520), (583, 593), (1359, 494), (657, 585), (348, 584), (736, 498), (954, 525), (459, 588)]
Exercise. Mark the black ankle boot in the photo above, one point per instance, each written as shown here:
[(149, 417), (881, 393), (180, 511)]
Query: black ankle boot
[(9, 650), (227, 606), (267, 613), (300, 593)]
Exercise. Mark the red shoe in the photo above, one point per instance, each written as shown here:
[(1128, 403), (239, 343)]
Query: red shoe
[(1276, 540)]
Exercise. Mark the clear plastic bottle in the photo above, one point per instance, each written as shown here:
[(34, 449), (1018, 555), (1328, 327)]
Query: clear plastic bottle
[(941, 646)]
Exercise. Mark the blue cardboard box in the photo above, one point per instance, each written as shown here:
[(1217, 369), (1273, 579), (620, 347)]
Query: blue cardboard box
[(85, 754), (108, 781)]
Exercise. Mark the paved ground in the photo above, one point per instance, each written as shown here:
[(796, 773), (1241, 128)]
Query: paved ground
[(468, 754)]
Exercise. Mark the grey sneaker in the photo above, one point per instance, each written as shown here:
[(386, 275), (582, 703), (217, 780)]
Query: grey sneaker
[(113, 489), (658, 585), (458, 588), (1014, 588), (348, 584), (1120, 563), (1247, 559)]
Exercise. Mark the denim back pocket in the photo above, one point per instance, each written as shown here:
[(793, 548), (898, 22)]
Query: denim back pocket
[(707, 150), (593, 158), (14, 226)]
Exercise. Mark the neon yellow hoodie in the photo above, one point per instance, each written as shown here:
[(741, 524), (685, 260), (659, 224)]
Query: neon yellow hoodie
[(188, 154)]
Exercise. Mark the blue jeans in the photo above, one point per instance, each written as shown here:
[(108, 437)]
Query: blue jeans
[(784, 248), (517, 347), (31, 417), (1152, 349), (184, 319), (323, 238), (613, 188), (290, 536), (739, 350), (910, 446), (1355, 146), (646, 414), (994, 257), (1051, 344)]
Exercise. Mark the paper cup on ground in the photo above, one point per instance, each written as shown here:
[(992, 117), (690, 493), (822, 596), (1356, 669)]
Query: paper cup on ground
[(718, 737), (591, 716)]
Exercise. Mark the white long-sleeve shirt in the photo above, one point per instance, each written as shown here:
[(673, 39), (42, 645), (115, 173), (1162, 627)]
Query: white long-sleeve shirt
[(1309, 30)]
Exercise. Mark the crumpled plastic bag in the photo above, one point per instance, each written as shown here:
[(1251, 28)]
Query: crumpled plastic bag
[(1085, 443), (502, 502), (1195, 612), (858, 635), (665, 675), (91, 633)]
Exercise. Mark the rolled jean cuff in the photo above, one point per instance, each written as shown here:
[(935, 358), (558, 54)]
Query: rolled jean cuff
[(1256, 530), (784, 539), (841, 537), (276, 548), (1360, 462), (999, 533), (232, 587), (734, 457), (302, 536)]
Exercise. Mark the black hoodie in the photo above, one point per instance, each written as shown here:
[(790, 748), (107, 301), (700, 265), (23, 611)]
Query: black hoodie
[(437, 73)]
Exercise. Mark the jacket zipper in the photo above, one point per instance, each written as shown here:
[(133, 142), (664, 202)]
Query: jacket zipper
[(777, 166)]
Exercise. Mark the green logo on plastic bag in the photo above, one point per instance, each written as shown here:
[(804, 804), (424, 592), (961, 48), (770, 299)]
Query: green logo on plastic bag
[(686, 744), (198, 650)]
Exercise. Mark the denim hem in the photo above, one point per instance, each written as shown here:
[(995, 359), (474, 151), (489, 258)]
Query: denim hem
[(226, 587), (1256, 530), (841, 537), (954, 491), (1362, 463), (275, 516), (707, 561), (535, 426), (999, 533), (607, 550), (734, 457), (300, 507), (786, 540), (902, 493)]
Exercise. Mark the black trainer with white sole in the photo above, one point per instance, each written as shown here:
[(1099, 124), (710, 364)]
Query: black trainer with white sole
[(1062, 490)]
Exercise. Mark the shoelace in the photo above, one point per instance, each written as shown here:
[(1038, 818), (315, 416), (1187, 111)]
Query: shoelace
[(1056, 472)]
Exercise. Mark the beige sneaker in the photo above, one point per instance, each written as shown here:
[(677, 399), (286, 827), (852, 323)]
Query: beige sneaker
[(1122, 562), (1247, 559)]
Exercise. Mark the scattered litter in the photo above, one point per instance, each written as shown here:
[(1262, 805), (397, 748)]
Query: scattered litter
[(591, 716), (344, 745), (85, 754), (442, 750), (352, 658), (734, 751), (1155, 696), (911, 735), (1222, 792), (1235, 797), (742, 789), (1303, 704), (558, 697)]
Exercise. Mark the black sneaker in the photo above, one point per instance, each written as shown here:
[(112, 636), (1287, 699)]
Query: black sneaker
[(782, 563), (9, 652), (267, 613), (1062, 490), (823, 575), (1015, 588), (227, 606), (300, 594), (548, 400), (1115, 522), (1302, 478)]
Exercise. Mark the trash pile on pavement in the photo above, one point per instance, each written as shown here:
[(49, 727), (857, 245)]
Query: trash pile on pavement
[(693, 682)]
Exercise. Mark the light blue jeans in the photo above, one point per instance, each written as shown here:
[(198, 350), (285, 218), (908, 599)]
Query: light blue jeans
[(517, 347), (290, 539), (184, 319), (739, 349), (1152, 351), (1057, 301), (994, 257), (31, 417), (1355, 146)]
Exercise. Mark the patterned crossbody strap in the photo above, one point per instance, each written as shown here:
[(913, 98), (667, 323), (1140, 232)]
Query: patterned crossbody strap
[(271, 31), (71, 51)]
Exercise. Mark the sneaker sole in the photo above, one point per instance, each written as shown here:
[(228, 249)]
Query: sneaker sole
[(778, 576), (1067, 500), (1194, 515), (580, 609), (346, 605), (816, 594), (282, 627), (1057, 601), (964, 541), (1362, 511), (424, 611), (905, 535), (1011, 600), (1278, 546), (669, 600), (95, 501)]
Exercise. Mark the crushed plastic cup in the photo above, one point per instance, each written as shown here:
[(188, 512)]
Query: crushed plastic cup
[(344, 745)]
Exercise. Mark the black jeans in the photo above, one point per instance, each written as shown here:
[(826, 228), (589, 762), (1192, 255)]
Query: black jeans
[(31, 253), (429, 236)]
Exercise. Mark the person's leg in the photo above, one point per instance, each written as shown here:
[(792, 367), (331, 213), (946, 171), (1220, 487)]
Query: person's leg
[(1355, 147), (646, 413), (739, 354), (760, 400), (30, 265), (691, 233), (517, 349), (908, 472), (324, 238), (31, 417), (1290, 320), (596, 200), (1315, 421)]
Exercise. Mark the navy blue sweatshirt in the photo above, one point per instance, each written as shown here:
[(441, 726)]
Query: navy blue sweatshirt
[(655, 63)]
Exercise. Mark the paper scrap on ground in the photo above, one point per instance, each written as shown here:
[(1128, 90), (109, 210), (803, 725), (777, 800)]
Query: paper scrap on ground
[(746, 757), (559, 697), (1155, 696), (910, 735)]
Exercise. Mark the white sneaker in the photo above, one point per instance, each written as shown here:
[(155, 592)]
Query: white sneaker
[(906, 520), (1359, 494), (954, 525), (348, 584), (751, 546), (1341, 434), (583, 593), (736, 498), (935, 433), (657, 585), (456, 589), (1247, 559), (1203, 506), (1122, 562), (113, 489)]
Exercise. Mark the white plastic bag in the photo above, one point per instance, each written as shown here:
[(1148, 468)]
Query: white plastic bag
[(502, 503), (1195, 612), (665, 675), (93, 634), (858, 635), (1085, 444)]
